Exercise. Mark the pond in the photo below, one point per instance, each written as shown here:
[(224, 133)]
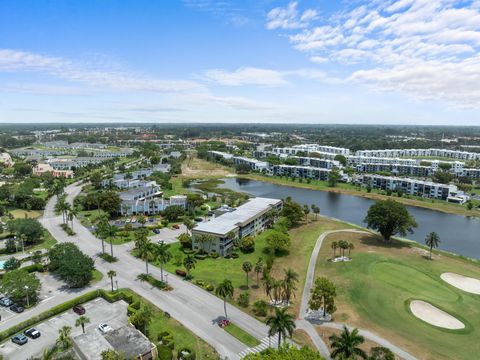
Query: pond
[(458, 234)]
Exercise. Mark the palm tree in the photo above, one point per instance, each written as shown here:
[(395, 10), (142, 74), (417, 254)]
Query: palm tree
[(343, 244), (189, 263), (334, 247), (64, 340), (145, 251), (101, 230), (258, 269), (110, 231), (81, 321), (282, 323), (268, 284), (163, 255), (247, 267), (432, 240), (346, 345), (111, 274), (72, 214), (225, 290), (306, 211), (289, 284), (350, 248), (49, 353)]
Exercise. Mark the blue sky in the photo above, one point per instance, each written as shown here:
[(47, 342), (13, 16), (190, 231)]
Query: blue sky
[(312, 61)]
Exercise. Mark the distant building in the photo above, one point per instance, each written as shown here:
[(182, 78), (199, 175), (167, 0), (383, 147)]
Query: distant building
[(248, 219), (151, 206), (6, 159), (43, 168)]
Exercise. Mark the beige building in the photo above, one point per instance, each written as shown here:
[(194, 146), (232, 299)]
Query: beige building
[(6, 159)]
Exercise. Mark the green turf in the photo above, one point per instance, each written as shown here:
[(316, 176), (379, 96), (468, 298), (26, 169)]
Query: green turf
[(241, 335), (379, 286)]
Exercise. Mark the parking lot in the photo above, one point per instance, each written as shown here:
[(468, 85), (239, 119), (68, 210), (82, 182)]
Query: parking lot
[(98, 311)]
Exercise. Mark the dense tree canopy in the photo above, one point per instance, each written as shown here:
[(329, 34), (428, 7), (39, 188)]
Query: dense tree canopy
[(292, 211), (17, 283), (286, 352), (30, 229), (389, 218), (70, 264)]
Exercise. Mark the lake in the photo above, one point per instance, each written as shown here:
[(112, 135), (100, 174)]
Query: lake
[(458, 234)]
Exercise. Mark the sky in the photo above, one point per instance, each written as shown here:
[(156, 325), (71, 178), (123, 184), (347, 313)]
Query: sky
[(251, 61)]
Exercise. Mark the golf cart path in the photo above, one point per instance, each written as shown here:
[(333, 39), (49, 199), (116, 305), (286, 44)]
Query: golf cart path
[(310, 329)]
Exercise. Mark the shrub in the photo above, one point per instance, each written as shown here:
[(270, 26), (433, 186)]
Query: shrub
[(188, 251), (185, 354), (209, 287), (234, 256), (181, 272), (165, 338), (164, 353), (200, 282), (108, 258), (67, 229), (247, 244), (260, 307), (244, 299), (201, 256), (33, 268), (214, 255)]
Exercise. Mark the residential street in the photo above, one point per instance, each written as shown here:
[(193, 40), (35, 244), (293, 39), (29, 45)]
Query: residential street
[(195, 308)]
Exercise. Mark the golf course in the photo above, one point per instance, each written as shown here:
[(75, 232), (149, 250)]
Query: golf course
[(375, 292)]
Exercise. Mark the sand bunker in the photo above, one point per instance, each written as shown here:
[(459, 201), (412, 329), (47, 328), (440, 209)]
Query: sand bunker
[(434, 316), (461, 282)]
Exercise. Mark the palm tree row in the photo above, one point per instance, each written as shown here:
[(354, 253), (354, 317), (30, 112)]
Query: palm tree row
[(280, 289), (342, 245)]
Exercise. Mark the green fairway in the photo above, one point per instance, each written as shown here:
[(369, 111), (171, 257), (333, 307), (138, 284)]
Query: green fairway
[(375, 289)]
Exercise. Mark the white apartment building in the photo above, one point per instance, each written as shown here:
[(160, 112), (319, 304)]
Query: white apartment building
[(254, 164), (309, 148), (248, 219), (305, 172), (453, 154), (151, 206), (317, 162), (410, 186)]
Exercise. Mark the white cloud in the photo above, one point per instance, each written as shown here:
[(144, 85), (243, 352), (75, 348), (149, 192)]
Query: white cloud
[(22, 61), (246, 76), (426, 49), (290, 17), (41, 89)]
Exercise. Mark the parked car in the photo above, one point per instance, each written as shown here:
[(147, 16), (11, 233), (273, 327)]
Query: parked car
[(32, 333), (156, 231), (104, 328), (20, 339), (176, 226), (5, 301), (79, 309), (17, 308)]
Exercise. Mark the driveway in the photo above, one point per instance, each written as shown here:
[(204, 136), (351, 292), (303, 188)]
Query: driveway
[(98, 311), (169, 236)]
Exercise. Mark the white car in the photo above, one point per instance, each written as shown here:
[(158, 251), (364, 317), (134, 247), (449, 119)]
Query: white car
[(104, 328)]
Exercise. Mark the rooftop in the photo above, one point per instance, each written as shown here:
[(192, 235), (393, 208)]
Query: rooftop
[(129, 341), (225, 223)]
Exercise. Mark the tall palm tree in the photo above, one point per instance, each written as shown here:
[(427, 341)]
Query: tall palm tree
[(49, 353), (111, 274), (110, 231), (290, 281), (432, 240), (163, 255), (350, 248), (258, 269), (189, 263), (267, 284), (346, 346), (82, 321), (282, 323), (334, 247), (225, 290), (145, 251), (247, 267), (72, 214), (64, 340), (101, 230)]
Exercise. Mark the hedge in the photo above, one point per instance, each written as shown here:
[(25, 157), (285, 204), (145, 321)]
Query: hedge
[(64, 307), (164, 353)]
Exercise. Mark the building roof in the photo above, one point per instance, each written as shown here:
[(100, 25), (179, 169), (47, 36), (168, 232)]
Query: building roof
[(91, 345), (225, 223), (129, 341)]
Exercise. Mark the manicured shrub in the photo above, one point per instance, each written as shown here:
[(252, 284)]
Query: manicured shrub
[(181, 272), (108, 258), (244, 299), (186, 354), (214, 255), (209, 287), (188, 251), (234, 256), (201, 256), (260, 308)]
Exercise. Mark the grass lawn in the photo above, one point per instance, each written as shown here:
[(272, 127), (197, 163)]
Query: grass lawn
[(433, 204), (215, 271), (374, 291), (97, 276), (182, 337), (22, 214), (194, 167), (241, 335)]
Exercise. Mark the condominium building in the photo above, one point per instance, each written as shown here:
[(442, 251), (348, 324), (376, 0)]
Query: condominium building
[(43, 168), (410, 186), (70, 163), (151, 206), (310, 148), (248, 219), (298, 171), (254, 164), (141, 193), (317, 162), (453, 154)]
